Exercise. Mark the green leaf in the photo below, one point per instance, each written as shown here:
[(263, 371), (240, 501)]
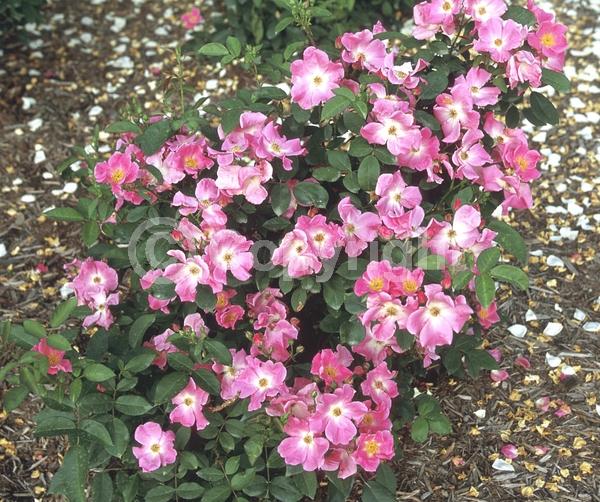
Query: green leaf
[(98, 373), (54, 423), (232, 465), (352, 269), (205, 299), (440, 424), (242, 479), (236, 428), (431, 262), (102, 488), (213, 49), (461, 279), (169, 385), (139, 327), (478, 359), (387, 477), (283, 23), (485, 289), (368, 173), (521, 15), (311, 194), (280, 198), (333, 107), (90, 232), (64, 214), (59, 342), (234, 46), (405, 339), (63, 311), (334, 292), (437, 82), (269, 92), (427, 120), (306, 482), (359, 147), (339, 160), (509, 239), (218, 493), (208, 381), (71, 479), (253, 448), (154, 136), (345, 92), (218, 351), (376, 492), (190, 491), (339, 489), (14, 397), (513, 275), (556, 80), (211, 474), (353, 121), (419, 430), (543, 108), (132, 405), (284, 490), (122, 126), (488, 259), (34, 328), (513, 117), (298, 299), (140, 362), (160, 493), (452, 360), (226, 441), (356, 334), (326, 174), (319, 12), (361, 107), (292, 48), (97, 431), (119, 434)]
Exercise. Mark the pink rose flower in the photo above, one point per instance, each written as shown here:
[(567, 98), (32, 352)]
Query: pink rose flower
[(157, 447), (192, 18), (189, 404), (339, 414), (56, 360), (371, 449), (305, 446), (499, 37), (314, 77)]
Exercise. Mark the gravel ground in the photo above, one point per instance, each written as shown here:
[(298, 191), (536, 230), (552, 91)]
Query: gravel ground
[(91, 58)]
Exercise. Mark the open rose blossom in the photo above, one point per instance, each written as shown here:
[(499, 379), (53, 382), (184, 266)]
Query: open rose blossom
[(189, 404), (314, 77), (156, 448), (56, 360)]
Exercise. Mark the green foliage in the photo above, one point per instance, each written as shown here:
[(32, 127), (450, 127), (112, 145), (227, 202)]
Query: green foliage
[(14, 13)]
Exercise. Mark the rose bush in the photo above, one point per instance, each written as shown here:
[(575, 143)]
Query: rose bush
[(273, 279)]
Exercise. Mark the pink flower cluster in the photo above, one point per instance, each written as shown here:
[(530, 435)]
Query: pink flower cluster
[(94, 284), (503, 39), (332, 429)]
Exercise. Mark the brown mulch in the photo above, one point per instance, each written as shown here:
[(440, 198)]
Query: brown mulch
[(84, 63)]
